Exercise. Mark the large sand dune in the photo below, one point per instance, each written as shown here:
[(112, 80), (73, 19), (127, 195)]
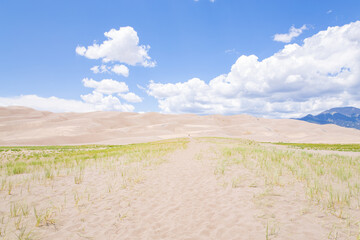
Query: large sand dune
[(190, 188), (25, 126)]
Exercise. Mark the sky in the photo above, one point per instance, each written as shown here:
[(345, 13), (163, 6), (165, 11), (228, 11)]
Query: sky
[(273, 59)]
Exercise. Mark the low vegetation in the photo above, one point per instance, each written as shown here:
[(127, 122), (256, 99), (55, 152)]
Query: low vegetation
[(18, 160), (21, 168), (331, 181), (321, 146)]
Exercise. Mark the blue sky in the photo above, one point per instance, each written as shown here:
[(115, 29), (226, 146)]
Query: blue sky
[(200, 40)]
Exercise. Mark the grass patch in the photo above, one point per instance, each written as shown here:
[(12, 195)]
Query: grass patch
[(323, 146), (331, 180), (122, 166), (18, 160)]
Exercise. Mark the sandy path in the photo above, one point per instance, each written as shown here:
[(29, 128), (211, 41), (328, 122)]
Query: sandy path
[(183, 200)]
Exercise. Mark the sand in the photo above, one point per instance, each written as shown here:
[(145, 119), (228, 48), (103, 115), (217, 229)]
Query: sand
[(181, 198), (25, 126)]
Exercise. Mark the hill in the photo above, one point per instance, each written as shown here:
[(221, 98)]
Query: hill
[(346, 117)]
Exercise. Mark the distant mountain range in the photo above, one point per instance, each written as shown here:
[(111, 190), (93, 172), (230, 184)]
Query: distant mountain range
[(343, 116)]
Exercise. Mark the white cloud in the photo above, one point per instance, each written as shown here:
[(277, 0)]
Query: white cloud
[(55, 104), (101, 99), (105, 103), (47, 104), (95, 69), (288, 37), (80, 50), (106, 86), (121, 46), (120, 70), (99, 69), (130, 97), (102, 94), (321, 73)]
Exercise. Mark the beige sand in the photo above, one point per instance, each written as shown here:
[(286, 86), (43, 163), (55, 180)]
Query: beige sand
[(25, 126), (179, 199)]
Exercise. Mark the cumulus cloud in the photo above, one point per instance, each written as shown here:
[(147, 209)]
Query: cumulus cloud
[(100, 102), (47, 104), (121, 46), (102, 95), (100, 99), (120, 70), (288, 37), (107, 86), (130, 97), (321, 73), (56, 104)]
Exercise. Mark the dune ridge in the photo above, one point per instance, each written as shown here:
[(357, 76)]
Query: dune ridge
[(26, 126)]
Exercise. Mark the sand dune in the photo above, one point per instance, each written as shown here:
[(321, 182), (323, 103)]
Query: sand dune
[(194, 188), (25, 126)]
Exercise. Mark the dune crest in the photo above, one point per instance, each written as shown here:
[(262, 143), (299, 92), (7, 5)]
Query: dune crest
[(26, 126)]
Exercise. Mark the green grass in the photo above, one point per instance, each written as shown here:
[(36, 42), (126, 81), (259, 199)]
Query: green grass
[(57, 148), (323, 146), (19, 160), (331, 180), (123, 165)]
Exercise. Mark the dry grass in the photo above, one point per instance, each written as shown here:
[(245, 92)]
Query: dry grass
[(26, 169), (330, 181), (323, 146)]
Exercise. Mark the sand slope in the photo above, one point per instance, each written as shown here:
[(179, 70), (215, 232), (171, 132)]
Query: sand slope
[(25, 126)]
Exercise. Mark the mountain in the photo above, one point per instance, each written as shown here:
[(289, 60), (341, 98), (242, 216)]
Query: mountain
[(343, 116)]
